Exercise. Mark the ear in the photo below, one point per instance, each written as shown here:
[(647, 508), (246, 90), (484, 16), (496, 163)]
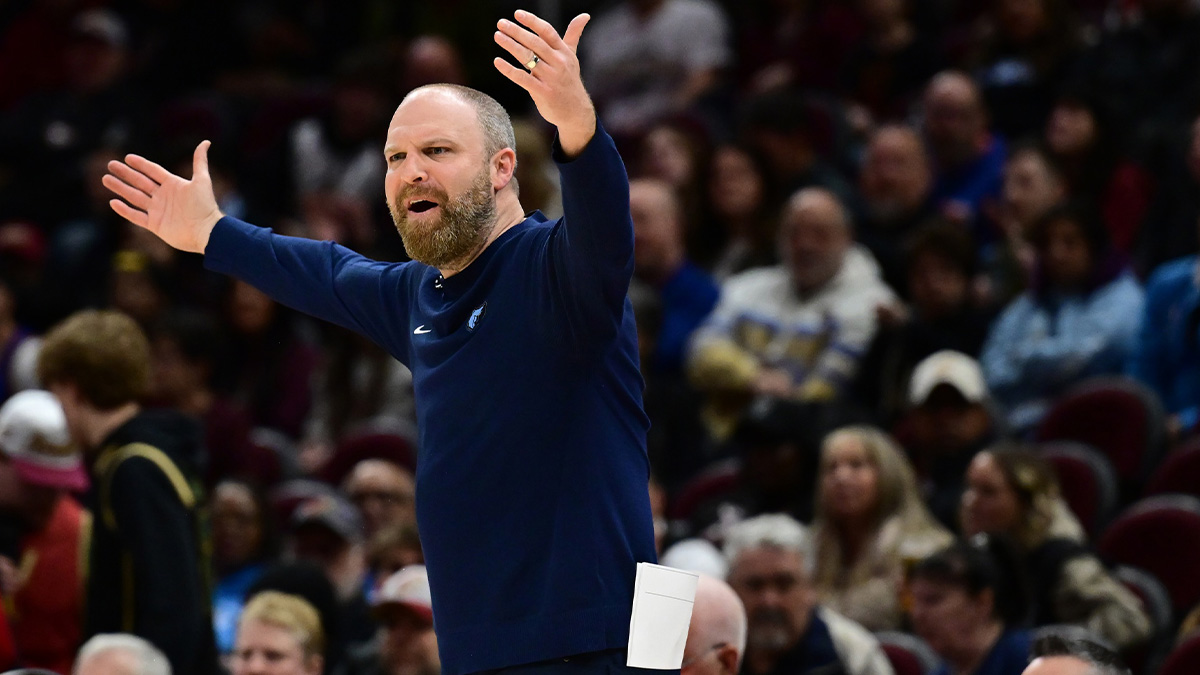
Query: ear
[(504, 166), (727, 656)]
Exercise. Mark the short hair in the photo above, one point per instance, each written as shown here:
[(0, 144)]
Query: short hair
[(103, 352), (771, 530), (291, 613), (493, 118), (946, 241), (986, 562), (1103, 660), (150, 659)]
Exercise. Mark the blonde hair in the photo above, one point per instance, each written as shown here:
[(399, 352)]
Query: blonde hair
[(898, 494), (1044, 512), (291, 613)]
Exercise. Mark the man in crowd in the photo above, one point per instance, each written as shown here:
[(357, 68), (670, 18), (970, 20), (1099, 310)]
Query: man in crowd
[(1055, 655), (770, 563), (148, 567), (405, 643), (120, 654), (716, 637), (383, 493)]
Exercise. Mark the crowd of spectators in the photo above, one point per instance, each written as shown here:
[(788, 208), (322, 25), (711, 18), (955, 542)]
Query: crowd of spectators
[(876, 243)]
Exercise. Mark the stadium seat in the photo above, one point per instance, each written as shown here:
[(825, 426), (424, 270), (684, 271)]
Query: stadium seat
[(1143, 658), (1117, 416), (1179, 472), (1184, 660), (1160, 535), (1087, 480), (715, 481), (908, 654)]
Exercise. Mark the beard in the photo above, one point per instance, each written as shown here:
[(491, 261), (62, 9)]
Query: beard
[(459, 231), (770, 630)]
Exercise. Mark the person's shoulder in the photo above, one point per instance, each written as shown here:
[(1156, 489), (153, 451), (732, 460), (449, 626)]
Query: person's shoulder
[(754, 281), (1178, 272)]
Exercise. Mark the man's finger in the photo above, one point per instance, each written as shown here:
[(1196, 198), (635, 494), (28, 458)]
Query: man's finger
[(541, 27), (526, 39), (575, 30), (519, 76), (200, 160), (135, 178), (134, 216), (519, 52), (155, 172), (127, 192)]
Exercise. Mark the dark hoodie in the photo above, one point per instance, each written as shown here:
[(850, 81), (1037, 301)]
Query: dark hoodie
[(150, 556)]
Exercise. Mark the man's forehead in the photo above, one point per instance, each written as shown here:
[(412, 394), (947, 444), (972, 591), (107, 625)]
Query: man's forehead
[(431, 113)]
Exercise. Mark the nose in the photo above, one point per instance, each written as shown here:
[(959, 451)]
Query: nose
[(413, 170)]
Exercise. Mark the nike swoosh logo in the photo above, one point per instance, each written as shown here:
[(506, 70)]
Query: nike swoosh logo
[(421, 330)]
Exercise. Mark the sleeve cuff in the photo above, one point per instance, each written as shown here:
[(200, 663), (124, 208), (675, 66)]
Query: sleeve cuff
[(560, 157), (228, 235)]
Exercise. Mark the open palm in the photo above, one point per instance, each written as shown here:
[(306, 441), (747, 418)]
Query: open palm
[(180, 212)]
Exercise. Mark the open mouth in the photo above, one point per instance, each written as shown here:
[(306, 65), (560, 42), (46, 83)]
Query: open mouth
[(421, 206)]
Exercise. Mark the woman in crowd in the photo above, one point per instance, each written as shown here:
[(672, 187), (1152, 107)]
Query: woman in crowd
[(244, 544), (1014, 492), (967, 603), (1080, 318), (280, 634), (738, 229), (870, 525)]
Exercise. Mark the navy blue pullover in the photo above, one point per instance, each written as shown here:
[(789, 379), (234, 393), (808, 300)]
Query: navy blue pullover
[(532, 471)]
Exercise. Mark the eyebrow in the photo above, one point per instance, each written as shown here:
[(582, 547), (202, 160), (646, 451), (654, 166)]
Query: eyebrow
[(390, 148)]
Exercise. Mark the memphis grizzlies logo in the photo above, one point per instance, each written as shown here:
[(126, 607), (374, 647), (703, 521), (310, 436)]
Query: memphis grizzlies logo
[(476, 317)]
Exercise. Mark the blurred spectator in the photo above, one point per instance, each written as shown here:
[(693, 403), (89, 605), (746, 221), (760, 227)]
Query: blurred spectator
[(1167, 355), (699, 556), (47, 602), (737, 228), (1079, 319), (896, 183), (968, 158), (46, 137), (646, 59), (120, 654), (967, 603), (536, 173), (384, 494), (139, 287), (1170, 226), (890, 64), (430, 59), (951, 420), (328, 531), (267, 370), (676, 152), (796, 330), (405, 643), (1057, 655), (688, 293), (1015, 493), (1033, 186), (308, 581), (871, 526), (1080, 132), (1026, 49), (393, 548), (18, 347), (244, 543), (186, 347), (147, 568), (716, 639), (279, 634), (790, 44), (770, 566), (941, 314)]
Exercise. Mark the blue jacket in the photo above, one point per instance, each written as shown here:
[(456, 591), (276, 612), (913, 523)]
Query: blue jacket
[(1041, 344), (532, 469), (1167, 357)]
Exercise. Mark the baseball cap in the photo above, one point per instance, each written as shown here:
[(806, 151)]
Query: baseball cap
[(333, 512), (951, 368), (102, 25), (34, 437), (407, 588)]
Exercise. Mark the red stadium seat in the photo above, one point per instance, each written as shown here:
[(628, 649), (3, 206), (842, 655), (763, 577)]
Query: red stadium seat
[(1157, 604), (1087, 480), (908, 654), (1179, 472), (370, 443), (287, 496), (715, 481), (1162, 536), (1117, 416), (1184, 660)]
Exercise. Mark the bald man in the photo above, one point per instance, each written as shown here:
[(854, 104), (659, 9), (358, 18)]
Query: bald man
[(717, 634), (383, 493), (969, 159), (531, 481), (795, 330)]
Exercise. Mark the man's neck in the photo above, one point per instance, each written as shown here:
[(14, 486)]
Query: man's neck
[(509, 214), (103, 423)]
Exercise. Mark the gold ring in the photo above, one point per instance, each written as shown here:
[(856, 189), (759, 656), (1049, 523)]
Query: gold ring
[(531, 63)]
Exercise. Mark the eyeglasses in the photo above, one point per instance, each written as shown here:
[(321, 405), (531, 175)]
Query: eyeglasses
[(705, 654)]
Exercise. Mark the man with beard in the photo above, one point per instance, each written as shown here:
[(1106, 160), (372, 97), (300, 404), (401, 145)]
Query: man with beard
[(531, 498), (770, 563)]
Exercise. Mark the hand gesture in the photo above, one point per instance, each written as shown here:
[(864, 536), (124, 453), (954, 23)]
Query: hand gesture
[(550, 74), (181, 212)]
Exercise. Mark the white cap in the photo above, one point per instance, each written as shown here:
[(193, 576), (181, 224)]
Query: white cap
[(408, 587), (34, 437), (951, 368), (696, 555)]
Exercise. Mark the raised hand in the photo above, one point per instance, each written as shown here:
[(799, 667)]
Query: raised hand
[(181, 212), (550, 74)]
